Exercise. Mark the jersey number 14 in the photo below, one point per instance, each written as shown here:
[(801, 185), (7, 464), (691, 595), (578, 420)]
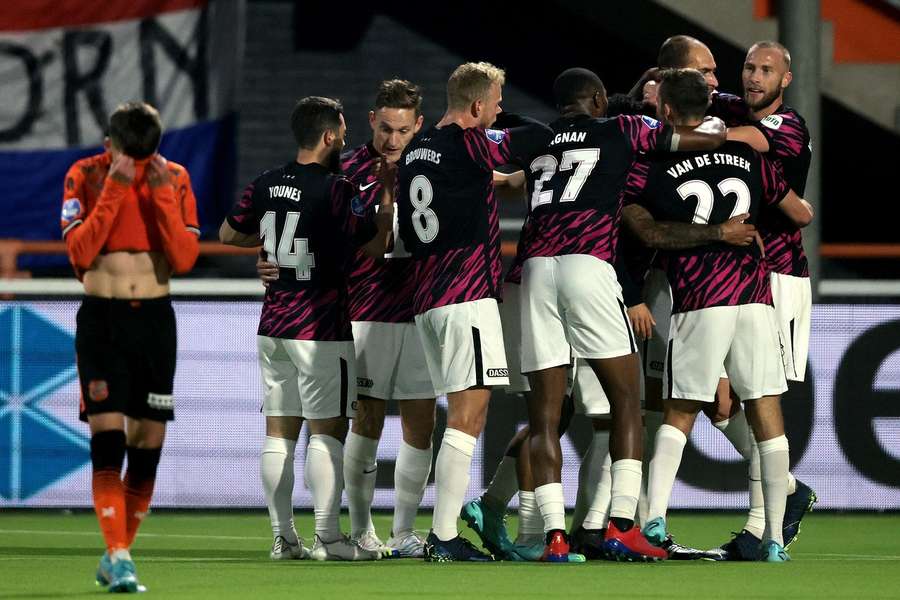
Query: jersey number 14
[(288, 251)]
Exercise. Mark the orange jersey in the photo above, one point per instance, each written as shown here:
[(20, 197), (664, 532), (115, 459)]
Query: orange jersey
[(101, 215)]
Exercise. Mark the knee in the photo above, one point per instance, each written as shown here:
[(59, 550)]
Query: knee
[(418, 430), (108, 450), (369, 419), (471, 423)]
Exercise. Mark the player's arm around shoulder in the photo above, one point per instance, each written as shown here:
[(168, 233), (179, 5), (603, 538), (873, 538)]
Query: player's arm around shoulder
[(749, 135), (241, 227)]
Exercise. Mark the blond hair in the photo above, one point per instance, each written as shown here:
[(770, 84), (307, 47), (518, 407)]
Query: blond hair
[(471, 82), (768, 44)]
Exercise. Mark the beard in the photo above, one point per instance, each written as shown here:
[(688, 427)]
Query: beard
[(334, 161), (763, 102)]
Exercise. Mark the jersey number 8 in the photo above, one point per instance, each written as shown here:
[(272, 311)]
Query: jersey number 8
[(424, 219), (291, 251)]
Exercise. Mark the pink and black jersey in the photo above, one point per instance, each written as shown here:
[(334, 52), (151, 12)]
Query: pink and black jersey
[(379, 290), (710, 188), (575, 186), (791, 150), (448, 213), (309, 220)]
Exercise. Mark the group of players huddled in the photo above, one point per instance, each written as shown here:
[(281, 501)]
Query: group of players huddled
[(662, 240)]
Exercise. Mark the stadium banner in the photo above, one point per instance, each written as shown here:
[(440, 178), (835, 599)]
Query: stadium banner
[(67, 64), (842, 423)]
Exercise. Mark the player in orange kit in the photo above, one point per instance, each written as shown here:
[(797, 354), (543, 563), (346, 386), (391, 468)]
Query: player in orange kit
[(129, 220)]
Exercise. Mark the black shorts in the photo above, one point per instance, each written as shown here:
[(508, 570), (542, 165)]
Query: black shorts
[(126, 357)]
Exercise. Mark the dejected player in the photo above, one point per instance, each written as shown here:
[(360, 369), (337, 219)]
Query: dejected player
[(129, 220)]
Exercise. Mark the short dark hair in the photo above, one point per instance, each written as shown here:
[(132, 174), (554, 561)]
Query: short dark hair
[(312, 117), (575, 84), (685, 91), (623, 104), (673, 54), (135, 129), (399, 93)]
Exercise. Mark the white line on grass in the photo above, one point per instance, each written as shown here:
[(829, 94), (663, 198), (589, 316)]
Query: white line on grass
[(142, 534)]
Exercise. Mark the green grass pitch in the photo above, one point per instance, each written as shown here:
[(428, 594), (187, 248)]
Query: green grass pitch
[(225, 555)]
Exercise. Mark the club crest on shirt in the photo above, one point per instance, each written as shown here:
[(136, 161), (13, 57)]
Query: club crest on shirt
[(71, 208), (358, 206), (495, 135), (650, 122), (772, 121)]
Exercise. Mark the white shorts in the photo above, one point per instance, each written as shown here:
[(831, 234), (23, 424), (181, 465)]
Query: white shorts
[(463, 345), (590, 399), (307, 378), (390, 364), (743, 338), (658, 298), (512, 337), (572, 305), (793, 312)]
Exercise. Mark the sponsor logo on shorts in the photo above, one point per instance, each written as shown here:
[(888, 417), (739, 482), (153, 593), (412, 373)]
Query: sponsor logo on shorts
[(98, 390), (161, 401), (656, 365), (364, 382), (498, 372)]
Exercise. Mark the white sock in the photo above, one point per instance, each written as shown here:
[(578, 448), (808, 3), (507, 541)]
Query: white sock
[(774, 462), (626, 487), (652, 422), (451, 480), (505, 483), (667, 451), (411, 473), (552, 504), (277, 472), (531, 524), (360, 471), (324, 458), (589, 474), (737, 431), (756, 518), (792, 483), (598, 513)]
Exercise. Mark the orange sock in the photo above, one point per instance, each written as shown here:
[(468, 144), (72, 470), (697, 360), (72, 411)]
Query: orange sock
[(139, 479), (138, 492), (109, 504)]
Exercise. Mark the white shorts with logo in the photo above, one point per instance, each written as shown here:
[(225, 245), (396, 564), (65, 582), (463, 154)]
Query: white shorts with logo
[(463, 345), (590, 398), (745, 339), (510, 317), (307, 378), (793, 311), (572, 305), (390, 363), (658, 298)]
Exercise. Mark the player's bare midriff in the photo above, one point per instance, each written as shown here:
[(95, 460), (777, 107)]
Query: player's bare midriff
[(127, 275)]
